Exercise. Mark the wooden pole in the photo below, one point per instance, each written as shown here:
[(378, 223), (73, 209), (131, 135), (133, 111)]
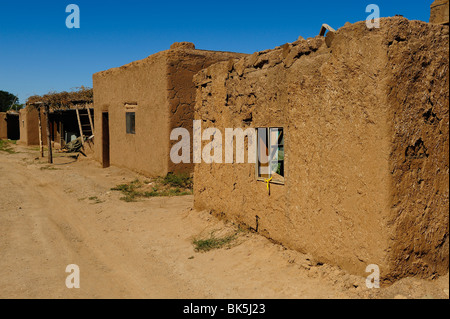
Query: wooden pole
[(90, 120), (41, 143), (61, 130), (49, 140), (80, 126)]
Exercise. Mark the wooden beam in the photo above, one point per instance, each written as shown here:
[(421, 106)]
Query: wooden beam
[(61, 133), (49, 140), (325, 28), (41, 142), (90, 120), (79, 125)]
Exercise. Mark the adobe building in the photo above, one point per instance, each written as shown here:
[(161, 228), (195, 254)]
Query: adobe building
[(138, 105), (9, 126), (3, 126), (440, 12), (29, 126), (69, 124), (360, 121), (64, 125)]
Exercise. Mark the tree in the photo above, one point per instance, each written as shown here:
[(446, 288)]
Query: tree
[(7, 100), (17, 106)]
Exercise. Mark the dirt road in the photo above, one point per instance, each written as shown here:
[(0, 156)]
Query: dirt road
[(53, 216)]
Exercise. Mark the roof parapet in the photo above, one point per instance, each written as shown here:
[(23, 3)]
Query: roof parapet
[(183, 45)]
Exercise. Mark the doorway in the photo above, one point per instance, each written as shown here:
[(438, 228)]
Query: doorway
[(13, 127), (105, 140)]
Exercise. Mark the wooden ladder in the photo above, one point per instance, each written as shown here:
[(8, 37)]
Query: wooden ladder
[(86, 128)]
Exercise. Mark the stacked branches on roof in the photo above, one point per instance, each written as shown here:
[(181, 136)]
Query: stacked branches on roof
[(64, 100), (53, 101)]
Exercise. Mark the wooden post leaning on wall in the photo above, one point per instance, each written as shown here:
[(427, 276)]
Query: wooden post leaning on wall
[(90, 119), (80, 126)]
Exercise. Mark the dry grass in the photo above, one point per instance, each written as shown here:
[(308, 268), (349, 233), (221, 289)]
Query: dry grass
[(213, 242), (58, 100), (5, 146), (169, 186)]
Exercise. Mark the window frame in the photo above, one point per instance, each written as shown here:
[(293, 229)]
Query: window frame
[(268, 129), (130, 132)]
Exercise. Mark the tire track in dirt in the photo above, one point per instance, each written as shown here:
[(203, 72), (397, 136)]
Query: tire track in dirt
[(144, 249), (50, 223)]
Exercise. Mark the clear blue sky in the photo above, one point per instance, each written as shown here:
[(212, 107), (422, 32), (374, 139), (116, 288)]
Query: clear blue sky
[(38, 53)]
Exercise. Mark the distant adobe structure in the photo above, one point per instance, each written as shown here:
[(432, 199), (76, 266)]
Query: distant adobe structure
[(138, 105), (440, 12), (360, 121), (29, 127), (71, 114), (3, 126), (9, 125)]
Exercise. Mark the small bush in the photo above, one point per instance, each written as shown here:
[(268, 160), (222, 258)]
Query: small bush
[(204, 245)]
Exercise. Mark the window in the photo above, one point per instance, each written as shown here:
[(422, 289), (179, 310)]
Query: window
[(270, 154), (131, 126)]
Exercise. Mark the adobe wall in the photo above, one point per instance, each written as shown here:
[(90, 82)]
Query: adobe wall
[(9, 126), (3, 126), (345, 106), (440, 12), (143, 84), (183, 62), (162, 88), (29, 127), (418, 97)]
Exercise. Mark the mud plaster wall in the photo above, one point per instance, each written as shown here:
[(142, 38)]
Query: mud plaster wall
[(440, 12), (162, 90), (142, 85), (29, 127), (9, 126), (332, 96), (419, 102), (182, 66), (3, 126)]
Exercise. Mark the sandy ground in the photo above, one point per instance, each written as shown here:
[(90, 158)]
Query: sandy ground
[(144, 249)]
